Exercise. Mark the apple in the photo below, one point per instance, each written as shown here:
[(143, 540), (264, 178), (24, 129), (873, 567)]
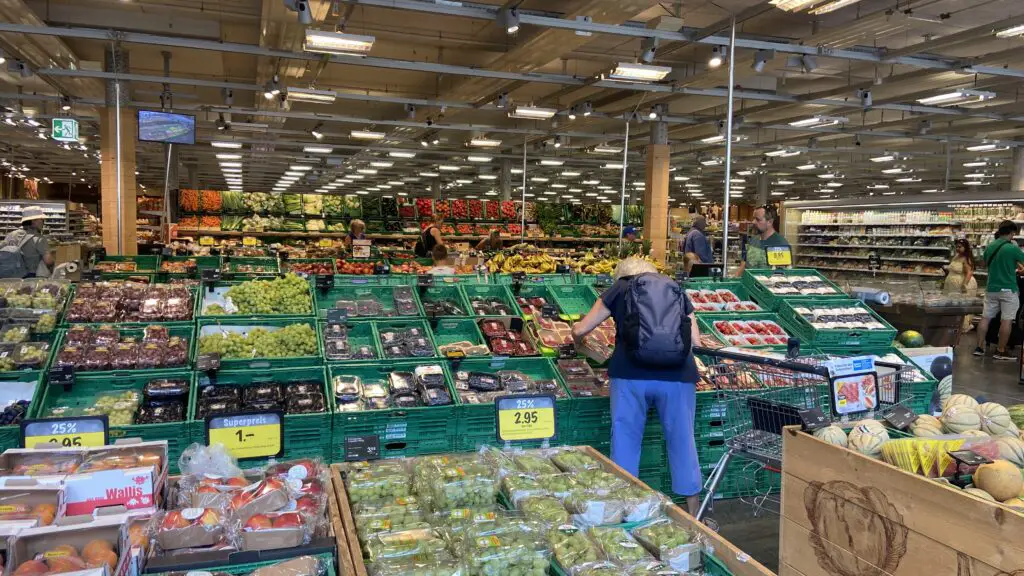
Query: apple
[(210, 518), (307, 504), (237, 482), (241, 499), (312, 486), (258, 522), (174, 520), (207, 489), (269, 485), (288, 520)]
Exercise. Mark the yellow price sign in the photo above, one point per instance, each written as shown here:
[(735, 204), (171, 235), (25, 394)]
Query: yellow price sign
[(252, 435), (206, 240), (525, 417), (84, 432), (250, 241), (326, 243), (779, 256)]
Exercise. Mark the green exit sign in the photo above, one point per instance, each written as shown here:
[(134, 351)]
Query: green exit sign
[(64, 130)]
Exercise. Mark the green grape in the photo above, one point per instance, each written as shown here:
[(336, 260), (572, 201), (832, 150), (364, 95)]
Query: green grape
[(469, 485), (662, 535), (378, 484), (294, 340), (16, 334), (507, 546), (533, 464), (573, 461), (544, 509), (618, 545), (6, 364), (215, 310), (46, 323), (599, 480), (571, 547), (287, 295)]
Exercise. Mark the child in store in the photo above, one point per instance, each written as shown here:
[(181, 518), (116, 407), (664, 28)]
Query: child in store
[(442, 266)]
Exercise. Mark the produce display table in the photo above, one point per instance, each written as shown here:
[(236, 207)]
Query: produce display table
[(940, 325)]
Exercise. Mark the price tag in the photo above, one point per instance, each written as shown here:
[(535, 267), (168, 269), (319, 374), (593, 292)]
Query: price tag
[(779, 256), (968, 457), (325, 243), (211, 275), (567, 351), (358, 448), (518, 277), (91, 276), (324, 282), (549, 311), (425, 280), (284, 256), (603, 280), (84, 432), (250, 241), (813, 419), (381, 268), (900, 417), (361, 249), (874, 262), (208, 362), (61, 376), (562, 269), (525, 417), (206, 240), (252, 435), (453, 354), (337, 316)]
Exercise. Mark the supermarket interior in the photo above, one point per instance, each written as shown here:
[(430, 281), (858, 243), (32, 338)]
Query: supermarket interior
[(308, 287)]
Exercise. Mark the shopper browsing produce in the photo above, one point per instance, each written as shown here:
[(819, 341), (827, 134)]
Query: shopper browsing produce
[(25, 252), (492, 243), (658, 367), (356, 231), (1003, 258), (765, 219), (696, 248), (430, 237), (441, 264), (960, 275)]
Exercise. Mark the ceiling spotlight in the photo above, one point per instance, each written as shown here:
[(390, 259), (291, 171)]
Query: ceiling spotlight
[(761, 57), (559, 140), (865, 98), (508, 18), (221, 124), (2, 58), (65, 103), (653, 113), (316, 133), (572, 112), (716, 58), (586, 108), (808, 63), (272, 88), (502, 101), (648, 49), (424, 142), (410, 111)]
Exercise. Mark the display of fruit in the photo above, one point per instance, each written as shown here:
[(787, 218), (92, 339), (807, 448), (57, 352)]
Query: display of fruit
[(509, 261), (662, 536), (795, 285), (832, 434), (996, 421), (512, 547), (287, 295), (910, 339), (979, 493), (573, 461), (410, 268), (476, 209), (751, 332), (402, 513), (546, 509), (618, 546), (926, 426), (1001, 479), (380, 483), (839, 316), (66, 558), (535, 464), (571, 547), (291, 341), (465, 486), (867, 437), (130, 302), (958, 418)]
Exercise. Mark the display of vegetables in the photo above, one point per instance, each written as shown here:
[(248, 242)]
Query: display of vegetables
[(188, 200), (312, 204), (209, 201), (292, 204), (333, 205), (232, 201), (493, 209)]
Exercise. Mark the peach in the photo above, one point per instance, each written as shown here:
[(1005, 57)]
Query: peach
[(137, 536), (288, 520), (31, 568), (237, 482), (65, 564), (210, 518), (62, 550), (46, 512), (101, 557), (174, 520), (258, 522), (95, 546)]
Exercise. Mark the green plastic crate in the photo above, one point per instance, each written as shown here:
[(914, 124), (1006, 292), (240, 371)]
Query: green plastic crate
[(384, 295), (734, 286), (528, 291), (401, 431), (194, 291), (359, 334), (215, 292), (532, 279), (371, 279), (286, 265), (143, 263), (835, 337), (244, 325), (89, 387), (706, 322), (450, 330), (770, 301), (201, 263), (574, 300), (443, 293), (476, 422), (400, 326), (249, 266), (491, 292), (326, 561), (305, 435), (137, 331), (28, 385)]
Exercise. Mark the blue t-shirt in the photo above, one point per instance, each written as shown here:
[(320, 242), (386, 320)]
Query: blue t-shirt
[(697, 243), (621, 365)]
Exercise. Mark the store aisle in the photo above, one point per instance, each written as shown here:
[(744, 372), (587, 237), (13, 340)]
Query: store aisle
[(995, 380)]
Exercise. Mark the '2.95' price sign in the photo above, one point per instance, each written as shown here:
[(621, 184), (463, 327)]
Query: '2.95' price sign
[(84, 432), (249, 435), (525, 417)]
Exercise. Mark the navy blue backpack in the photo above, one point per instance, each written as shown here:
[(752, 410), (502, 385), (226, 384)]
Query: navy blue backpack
[(655, 331)]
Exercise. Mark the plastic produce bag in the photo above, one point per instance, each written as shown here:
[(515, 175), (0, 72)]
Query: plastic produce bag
[(544, 509), (439, 567), (535, 463), (468, 485), (189, 528), (591, 509), (424, 545), (395, 515), (670, 542), (572, 548), (379, 482), (571, 460), (273, 530), (654, 568), (641, 504), (600, 481), (459, 521), (618, 546), (514, 548), (200, 460)]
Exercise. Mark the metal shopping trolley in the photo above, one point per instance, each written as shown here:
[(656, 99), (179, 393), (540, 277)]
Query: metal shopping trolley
[(760, 393)]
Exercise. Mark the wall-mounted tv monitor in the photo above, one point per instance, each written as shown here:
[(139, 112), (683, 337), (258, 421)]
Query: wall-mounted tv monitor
[(167, 128)]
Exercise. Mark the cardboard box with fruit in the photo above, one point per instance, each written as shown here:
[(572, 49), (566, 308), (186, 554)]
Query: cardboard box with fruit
[(83, 545)]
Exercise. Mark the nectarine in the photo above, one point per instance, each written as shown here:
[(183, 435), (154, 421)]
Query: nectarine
[(95, 546), (288, 520), (258, 522), (137, 536), (31, 568), (65, 564), (61, 550), (173, 520), (101, 557)]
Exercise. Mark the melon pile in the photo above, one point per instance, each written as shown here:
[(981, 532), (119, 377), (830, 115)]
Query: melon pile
[(866, 437)]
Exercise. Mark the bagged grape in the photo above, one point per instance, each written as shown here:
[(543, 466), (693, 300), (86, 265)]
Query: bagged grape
[(603, 568), (641, 504), (381, 482), (571, 547), (535, 463), (572, 460), (600, 481), (544, 509), (557, 485), (670, 542), (618, 546), (468, 485), (654, 568), (422, 544), (512, 547), (395, 515), (519, 486), (436, 567), (458, 521), (591, 509)]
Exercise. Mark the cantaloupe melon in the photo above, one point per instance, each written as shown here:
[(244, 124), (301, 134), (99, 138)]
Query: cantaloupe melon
[(867, 437), (960, 400), (995, 419), (832, 434), (978, 492), (1011, 450), (958, 418), (945, 389), (926, 426), (1001, 479), (975, 434)]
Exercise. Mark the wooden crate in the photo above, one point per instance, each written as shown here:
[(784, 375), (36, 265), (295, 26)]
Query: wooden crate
[(844, 513), (738, 562)]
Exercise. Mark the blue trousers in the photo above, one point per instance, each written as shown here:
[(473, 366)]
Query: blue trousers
[(675, 403)]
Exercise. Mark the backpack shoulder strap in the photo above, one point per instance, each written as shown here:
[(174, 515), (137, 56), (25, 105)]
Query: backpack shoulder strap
[(988, 261)]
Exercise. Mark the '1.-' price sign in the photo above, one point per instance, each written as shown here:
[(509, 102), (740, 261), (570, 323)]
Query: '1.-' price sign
[(250, 435), (526, 417), (84, 432)]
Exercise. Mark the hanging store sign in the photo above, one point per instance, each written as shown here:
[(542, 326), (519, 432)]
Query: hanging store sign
[(64, 129)]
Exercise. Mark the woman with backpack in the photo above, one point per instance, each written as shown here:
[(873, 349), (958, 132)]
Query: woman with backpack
[(652, 364), (429, 238)]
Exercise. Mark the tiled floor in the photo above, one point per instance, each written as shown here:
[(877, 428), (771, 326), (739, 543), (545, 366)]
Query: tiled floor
[(983, 378)]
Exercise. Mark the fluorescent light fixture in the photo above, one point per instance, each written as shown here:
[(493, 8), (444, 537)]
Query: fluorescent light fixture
[(549, 193), (517, 170), (1011, 32), (680, 178), (362, 192), (737, 181), (826, 176), (836, 5), (784, 182), (635, 72), (231, 170), (987, 147), (591, 182), (711, 162), (957, 97), (979, 163), (897, 170), (778, 193), (300, 167), (604, 187), (367, 135), (931, 191), (713, 139), (382, 164), (410, 179), (449, 168), (976, 183), (463, 181), (366, 171), (326, 42), (559, 185), (532, 113), (551, 162), (571, 173), (395, 183), (401, 154), (575, 189), (834, 184), (310, 95), (884, 158), (229, 145), (888, 193), (605, 149), (908, 179), (878, 186), (613, 166), (807, 167), (591, 194), (317, 149), (239, 157), (430, 174), (479, 158), (978, 175), (484, 142), (693, 185), (488, 176), (356, 176), (230, 164), (819, 122), (783, 153), (538, 179)]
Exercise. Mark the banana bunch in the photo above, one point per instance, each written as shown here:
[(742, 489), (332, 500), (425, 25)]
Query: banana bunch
[(537, 263), (590, 264)]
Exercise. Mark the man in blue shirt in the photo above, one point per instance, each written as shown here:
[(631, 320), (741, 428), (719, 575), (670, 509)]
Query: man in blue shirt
[(696, 247)]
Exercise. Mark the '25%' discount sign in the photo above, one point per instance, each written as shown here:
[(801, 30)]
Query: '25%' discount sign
[(527, 417), (83, 432), (249, 435)]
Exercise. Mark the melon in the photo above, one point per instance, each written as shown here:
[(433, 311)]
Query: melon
[(832, 434), (960, 418), (995, 419), (1014, 503), (867, 437), (960, 400), (1011, 450), (1001, 479), (978, 492), (945, 389), (975, 434), (926, 426), (1017, 414), (911, 339)]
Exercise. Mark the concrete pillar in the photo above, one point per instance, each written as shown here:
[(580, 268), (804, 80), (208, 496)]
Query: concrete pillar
[(435, 188), (505, 180), (762, 189), (117, 191), (1017, 171), (656, 199)]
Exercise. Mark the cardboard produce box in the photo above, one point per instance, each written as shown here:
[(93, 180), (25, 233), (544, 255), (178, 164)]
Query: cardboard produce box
[(26, 503), (77, 545)]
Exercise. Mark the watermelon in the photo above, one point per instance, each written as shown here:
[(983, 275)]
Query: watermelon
[(1017, 414), (911, 339)]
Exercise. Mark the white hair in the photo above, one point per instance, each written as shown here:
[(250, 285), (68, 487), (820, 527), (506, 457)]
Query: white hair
[(632, 266)]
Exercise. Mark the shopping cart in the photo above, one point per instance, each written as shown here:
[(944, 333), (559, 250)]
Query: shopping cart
[(762, 393)]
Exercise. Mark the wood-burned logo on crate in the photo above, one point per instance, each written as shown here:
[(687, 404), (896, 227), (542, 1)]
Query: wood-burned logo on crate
[(864, 520), (964, 562)]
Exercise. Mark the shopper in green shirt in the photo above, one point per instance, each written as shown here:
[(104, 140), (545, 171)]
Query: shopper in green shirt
[(1003, 258), (765, 219)]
